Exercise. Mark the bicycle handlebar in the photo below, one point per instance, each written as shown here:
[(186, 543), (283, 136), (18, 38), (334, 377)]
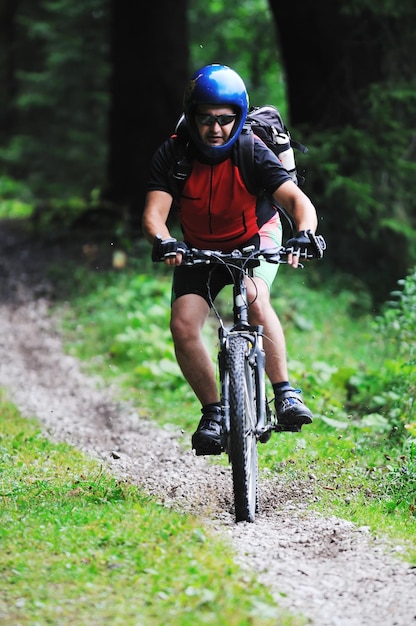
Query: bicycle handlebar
[(249, 256)]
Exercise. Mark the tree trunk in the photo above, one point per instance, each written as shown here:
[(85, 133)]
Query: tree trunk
[(8, 117), (146, 92), (328, 57)]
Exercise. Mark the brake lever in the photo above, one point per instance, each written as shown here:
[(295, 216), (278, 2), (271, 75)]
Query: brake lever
[(318, 243)]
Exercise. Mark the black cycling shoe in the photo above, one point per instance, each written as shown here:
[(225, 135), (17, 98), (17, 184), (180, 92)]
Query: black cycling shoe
[(207, 439), (291, 411)]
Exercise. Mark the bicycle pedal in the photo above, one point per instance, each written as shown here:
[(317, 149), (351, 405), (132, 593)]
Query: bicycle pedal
[(265, 437), (288, 428)]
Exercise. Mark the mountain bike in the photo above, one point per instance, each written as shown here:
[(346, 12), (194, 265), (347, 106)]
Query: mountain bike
[(247, 417)]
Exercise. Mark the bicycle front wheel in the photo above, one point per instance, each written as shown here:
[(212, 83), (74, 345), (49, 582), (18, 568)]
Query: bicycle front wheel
[(243, 419)]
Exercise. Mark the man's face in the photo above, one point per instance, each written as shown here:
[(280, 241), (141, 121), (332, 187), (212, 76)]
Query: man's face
[(214, 123)]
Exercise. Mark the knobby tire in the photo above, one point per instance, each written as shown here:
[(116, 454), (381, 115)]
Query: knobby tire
[(242, 443)]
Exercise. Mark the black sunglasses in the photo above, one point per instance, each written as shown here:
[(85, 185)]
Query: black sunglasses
[(209, 120)]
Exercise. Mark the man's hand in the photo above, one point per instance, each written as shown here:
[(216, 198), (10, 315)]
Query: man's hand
[(305, 245), (168, 250)]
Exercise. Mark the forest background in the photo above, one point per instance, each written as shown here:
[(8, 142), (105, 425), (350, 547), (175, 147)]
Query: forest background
[(89, 90)]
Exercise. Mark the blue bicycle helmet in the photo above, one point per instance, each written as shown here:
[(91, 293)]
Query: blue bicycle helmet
[(219, 85)]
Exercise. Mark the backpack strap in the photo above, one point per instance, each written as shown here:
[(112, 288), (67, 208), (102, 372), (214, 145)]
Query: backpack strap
[(245, 162), (181, 166), (245, 156)]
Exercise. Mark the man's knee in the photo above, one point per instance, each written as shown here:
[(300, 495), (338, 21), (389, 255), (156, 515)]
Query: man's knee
[(177, 326), (188, 315), (183, 328)]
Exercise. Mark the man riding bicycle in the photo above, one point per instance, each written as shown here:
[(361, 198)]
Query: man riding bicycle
[(216, 211)]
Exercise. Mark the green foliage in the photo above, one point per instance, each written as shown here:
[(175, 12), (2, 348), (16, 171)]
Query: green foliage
[(388, 390), (363, 174), (79, 546), (388, 8), (355, 472), (15, 199), (59, 144), (401, 480), (243, 36), (62, 72), (145, 338), (398, 323)]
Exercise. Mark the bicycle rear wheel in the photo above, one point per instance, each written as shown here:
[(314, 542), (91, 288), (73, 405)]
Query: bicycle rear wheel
[(242, 443)]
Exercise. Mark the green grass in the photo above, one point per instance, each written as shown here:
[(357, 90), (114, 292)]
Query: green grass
[(78, 546)]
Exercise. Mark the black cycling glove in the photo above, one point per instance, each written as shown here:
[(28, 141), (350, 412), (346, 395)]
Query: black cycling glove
[(166, 248), (306, 245)]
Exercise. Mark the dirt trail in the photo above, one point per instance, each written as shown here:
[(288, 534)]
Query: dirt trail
[(328, 569)]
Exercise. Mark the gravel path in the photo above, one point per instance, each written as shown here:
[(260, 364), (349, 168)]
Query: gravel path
[(327, 569)]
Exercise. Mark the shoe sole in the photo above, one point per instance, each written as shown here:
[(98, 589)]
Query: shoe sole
[(207, 451), (300, 420), (288, 428)]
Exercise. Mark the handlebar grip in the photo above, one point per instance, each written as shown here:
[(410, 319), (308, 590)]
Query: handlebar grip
[(318, 243)]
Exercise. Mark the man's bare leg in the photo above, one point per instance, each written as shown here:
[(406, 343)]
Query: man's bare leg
[(189, 313)]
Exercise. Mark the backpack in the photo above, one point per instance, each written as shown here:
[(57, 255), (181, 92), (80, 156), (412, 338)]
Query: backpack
[(264, 121), (267, 123)]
